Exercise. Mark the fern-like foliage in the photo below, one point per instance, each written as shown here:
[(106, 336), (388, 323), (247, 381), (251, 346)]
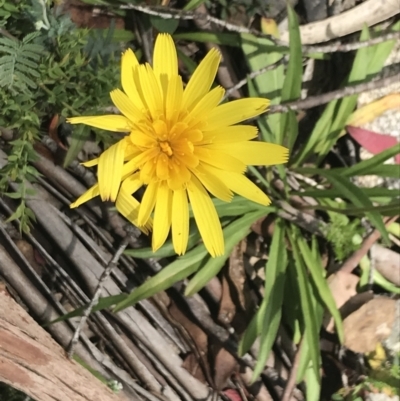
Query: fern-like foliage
[(19, 62)]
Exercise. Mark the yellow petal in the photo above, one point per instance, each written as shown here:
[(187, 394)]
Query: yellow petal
[(235, 112), (110, 122), (212, 183), (162, 216), (129, 64), (241, 185), (234, 133), (206, 104), (110, 169), (206, 218), (151, 91), (201, 80), (173, 100), (219, 159), (91, 163), (127, 205), (254, 153), (86, 196), (125, 105), (180, 221), (128, 169), (148, 202), (165, 60)]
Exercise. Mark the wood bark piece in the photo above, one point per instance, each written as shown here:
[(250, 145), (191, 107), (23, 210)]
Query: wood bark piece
[(31, 361), (369, 12)]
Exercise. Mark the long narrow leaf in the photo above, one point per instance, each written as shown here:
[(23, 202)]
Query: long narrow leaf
[(358, 198), (321, 285), (169, 275), (234, 233), (308, 311), (291, 89), (273, 295)]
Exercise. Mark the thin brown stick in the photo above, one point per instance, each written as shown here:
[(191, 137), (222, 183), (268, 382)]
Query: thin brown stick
[(107, 271), (315, 101), (172, 13), (253, 75), (352, 262), (291, 383)]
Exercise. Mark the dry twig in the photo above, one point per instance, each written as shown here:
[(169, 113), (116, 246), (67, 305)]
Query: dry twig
[(315, 101), (352, 262)]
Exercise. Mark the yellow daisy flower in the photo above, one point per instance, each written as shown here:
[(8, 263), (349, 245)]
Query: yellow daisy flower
[(181, 145)]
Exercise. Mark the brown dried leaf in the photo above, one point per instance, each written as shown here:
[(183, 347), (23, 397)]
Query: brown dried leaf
[(196, 362), (370, 325), (343, 286)]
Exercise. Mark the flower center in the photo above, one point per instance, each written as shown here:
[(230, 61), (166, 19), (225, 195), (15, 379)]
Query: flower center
[(166, 148)]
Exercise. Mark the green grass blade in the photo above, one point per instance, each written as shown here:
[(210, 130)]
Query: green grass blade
[(168, 276), (103, 303), (359, 199), (79, 136), (219, 38), (321, 285), (335, 193), (291, 89), (367, 167), (273, 296), (260, 53), (239, 206), (167, 249), (253, 330), (311, 332), (234, 233)]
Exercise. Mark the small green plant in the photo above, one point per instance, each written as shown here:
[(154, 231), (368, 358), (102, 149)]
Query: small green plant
[(342, 234), (51, 68)]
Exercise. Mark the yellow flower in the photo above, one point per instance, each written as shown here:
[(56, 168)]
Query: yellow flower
[(181, 145)]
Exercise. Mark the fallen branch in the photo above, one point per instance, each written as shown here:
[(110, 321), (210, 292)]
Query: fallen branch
[(368, 13), (31, 361)]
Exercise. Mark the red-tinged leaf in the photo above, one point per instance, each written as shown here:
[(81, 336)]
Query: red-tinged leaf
[(372, 141), (233, 394)]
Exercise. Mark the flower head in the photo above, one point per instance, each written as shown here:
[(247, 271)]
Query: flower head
[(181, 145)]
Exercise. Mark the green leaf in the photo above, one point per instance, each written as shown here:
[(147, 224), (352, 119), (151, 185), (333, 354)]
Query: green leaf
[(239, 206), (260, 53), (234, 233), (275, 265), (391, 209), (335, 193), (192, 4), (273, 297), (321, 285), (311, 331), (253, 330), (164, 25), (168, 276), (359, 199), (313, 387), (367, 167), (103, 303), (79, 136), (219, 38), (367, 63), (167, 249), (291, 89)]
